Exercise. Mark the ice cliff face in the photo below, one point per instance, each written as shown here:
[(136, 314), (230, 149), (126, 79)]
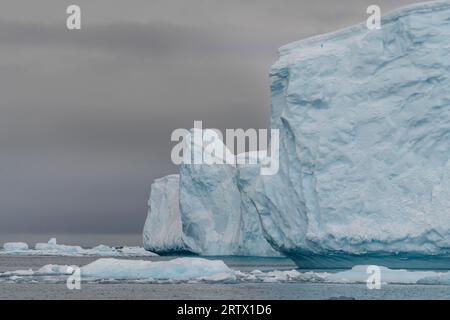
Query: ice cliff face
[(364, 119), (218, 217), (162, 229), (364, 178), (205, 210)]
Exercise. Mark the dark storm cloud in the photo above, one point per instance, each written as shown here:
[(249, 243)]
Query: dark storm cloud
[(86, 116)]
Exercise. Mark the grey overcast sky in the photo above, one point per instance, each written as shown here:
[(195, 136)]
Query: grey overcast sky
[(86, 116)]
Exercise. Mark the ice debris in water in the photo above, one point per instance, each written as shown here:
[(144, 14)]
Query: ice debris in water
[(52, 248), (195, 270)]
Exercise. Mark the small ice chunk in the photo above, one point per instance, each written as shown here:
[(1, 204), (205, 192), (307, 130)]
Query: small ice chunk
[(52, 246), (136, 251), (102, 248), (28, 272), (54, 269), (15, 246), (359, 274)]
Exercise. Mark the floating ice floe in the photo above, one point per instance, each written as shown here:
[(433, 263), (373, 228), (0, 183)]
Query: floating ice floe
[(180, 269), (358, 274), (15, 246), (176, 270), (47, 270), (52, 248), (199, 270)]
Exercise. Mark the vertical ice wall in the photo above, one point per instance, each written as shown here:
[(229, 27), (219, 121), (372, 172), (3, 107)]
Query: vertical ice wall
[(364, 117)]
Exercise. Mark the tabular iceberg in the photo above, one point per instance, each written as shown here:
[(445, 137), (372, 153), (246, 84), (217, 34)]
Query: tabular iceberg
[(364, 178), (364, 120)]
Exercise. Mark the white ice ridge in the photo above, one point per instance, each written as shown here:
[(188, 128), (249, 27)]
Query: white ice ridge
[(197, 270), (364, 120), (205, 210), (51, 248)]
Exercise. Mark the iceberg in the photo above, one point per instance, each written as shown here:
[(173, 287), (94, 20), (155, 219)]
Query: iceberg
[(52, 248), (364, 120), (15, 246), (162, 229), (205, 210), (364, 173), (180, 269)]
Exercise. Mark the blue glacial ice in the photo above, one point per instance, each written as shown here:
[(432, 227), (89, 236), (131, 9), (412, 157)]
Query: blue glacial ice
[(364, 173), (364, 120), (205, 210)]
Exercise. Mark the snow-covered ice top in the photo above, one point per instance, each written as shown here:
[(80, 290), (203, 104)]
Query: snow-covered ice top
[(206, 146), (364, 119)]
